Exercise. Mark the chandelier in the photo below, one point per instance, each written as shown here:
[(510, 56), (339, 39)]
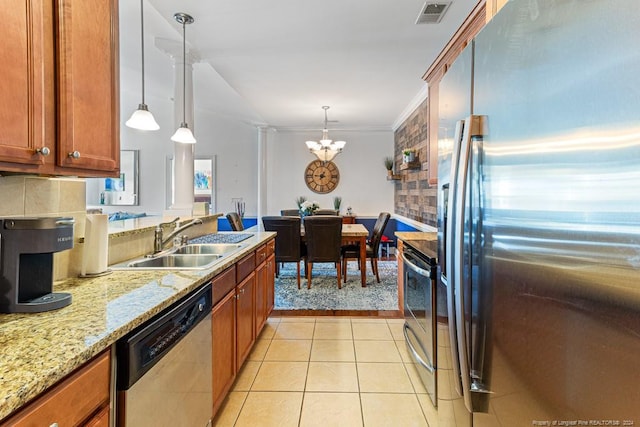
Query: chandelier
[(326, 149)]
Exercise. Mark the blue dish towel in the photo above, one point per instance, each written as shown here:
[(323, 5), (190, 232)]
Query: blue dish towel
[(125, 215)]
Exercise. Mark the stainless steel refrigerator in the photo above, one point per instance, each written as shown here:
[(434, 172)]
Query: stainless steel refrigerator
[(539, 219)]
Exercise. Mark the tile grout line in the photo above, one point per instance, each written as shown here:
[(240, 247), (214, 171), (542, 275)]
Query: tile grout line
[(306, 378)]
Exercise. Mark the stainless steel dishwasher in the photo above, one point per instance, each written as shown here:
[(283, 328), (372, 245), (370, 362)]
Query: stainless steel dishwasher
[(164, 367)]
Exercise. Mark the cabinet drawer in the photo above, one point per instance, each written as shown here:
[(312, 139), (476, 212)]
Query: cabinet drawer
[(261, 254), (72, 401), (271, 246), (245, 266), (223, 283)]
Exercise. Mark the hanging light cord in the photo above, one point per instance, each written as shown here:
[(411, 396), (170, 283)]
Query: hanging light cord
[(142, 43), (184, 71)]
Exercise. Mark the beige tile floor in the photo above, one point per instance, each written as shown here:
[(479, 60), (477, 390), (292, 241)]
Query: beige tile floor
[(328, 371)]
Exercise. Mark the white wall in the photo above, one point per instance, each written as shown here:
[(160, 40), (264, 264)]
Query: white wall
[(363, 184), (229, 132)]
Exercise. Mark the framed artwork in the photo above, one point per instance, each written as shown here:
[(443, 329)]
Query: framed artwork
[(204, 173)]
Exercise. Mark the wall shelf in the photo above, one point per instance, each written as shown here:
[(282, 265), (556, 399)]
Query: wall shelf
[(394, 177), (410, 165)]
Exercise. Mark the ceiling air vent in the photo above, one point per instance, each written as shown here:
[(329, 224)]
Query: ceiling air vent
[(432, 13)]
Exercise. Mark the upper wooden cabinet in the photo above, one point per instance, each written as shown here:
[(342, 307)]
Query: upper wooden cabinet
[(463, 36), (59, 85), (26, 81)]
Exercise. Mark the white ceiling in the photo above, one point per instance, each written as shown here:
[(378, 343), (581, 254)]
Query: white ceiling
[(278, 62)]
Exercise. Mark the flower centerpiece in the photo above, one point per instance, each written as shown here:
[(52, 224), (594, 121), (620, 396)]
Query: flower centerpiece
[(308, 208)]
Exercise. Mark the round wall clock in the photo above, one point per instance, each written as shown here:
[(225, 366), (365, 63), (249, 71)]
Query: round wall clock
[(322, 177)]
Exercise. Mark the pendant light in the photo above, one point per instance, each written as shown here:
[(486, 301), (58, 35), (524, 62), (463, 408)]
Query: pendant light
[(142, 118), (183, 134), (326, 149)]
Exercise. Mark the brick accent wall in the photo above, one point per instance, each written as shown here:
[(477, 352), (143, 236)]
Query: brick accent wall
[(413, 198)]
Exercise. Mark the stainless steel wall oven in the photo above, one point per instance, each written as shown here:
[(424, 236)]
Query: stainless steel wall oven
[(420, 310)]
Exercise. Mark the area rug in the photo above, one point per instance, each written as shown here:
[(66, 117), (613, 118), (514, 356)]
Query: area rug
[(325, 295)]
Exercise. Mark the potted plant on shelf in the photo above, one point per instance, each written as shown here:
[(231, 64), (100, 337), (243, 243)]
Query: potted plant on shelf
[(407, 156), (337, 201), (388, 164)]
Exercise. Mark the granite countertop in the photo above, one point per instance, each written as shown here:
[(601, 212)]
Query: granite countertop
[(423, 241), (39, 349)]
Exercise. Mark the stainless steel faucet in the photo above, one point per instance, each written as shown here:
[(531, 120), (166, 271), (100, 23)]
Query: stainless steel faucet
[(159, 241)]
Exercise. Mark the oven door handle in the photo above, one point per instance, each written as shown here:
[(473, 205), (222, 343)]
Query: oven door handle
[(427, 365), (411, 260)]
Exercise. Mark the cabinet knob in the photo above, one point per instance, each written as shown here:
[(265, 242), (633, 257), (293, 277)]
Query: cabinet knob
[(75, 154), (54, 425), (44, 151)]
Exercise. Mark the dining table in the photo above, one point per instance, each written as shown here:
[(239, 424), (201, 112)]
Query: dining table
[(357, 233)]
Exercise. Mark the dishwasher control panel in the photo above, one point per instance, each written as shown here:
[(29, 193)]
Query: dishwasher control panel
[(140, 349)]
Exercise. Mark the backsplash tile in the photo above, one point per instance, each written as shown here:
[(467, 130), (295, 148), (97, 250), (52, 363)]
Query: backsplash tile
[(12, 189), (41, 196)]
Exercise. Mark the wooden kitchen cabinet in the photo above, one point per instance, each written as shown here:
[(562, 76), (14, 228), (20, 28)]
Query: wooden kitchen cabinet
[(59, 79), (235, 323), (461, 38), (223, 329), (265, 274), (271, 278), (27, 115), (80, 399), (101, 419), (245, 317), (261, 297)]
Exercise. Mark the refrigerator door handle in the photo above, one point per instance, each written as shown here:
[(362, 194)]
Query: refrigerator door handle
[(473, 127), (449, 254)]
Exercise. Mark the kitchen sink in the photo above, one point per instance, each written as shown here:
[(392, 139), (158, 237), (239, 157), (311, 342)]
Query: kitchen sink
[(176, 261), (187, 257), (208, 248)]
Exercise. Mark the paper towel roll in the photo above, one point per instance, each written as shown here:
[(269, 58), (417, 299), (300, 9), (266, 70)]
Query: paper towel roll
[(95, 256)]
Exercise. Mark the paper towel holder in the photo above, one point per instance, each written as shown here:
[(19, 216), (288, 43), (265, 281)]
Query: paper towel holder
[(96, 231)]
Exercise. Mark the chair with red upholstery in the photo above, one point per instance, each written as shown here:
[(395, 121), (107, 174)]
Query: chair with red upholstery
[(372, 248)]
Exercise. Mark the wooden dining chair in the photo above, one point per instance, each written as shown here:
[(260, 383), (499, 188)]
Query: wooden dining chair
[(235, 221), (323, 236), (290, 212), (372, 248), (325, 212), (289, 246)]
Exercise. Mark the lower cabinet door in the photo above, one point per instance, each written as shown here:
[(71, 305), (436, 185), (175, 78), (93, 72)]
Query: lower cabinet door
[(271, 282), (101, 419), (223, 330), (261, 297), (245, 317)]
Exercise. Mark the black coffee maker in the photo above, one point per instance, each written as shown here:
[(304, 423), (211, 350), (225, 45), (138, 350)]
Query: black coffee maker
[(27, 246)]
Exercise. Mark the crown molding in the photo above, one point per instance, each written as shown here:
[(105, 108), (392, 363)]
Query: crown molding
[(409, 109)]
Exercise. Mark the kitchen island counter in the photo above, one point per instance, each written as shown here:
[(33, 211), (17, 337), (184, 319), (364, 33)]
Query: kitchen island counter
[(39, 349)]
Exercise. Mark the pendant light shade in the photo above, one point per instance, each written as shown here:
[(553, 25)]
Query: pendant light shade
[(142, 118), (184, 134)]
